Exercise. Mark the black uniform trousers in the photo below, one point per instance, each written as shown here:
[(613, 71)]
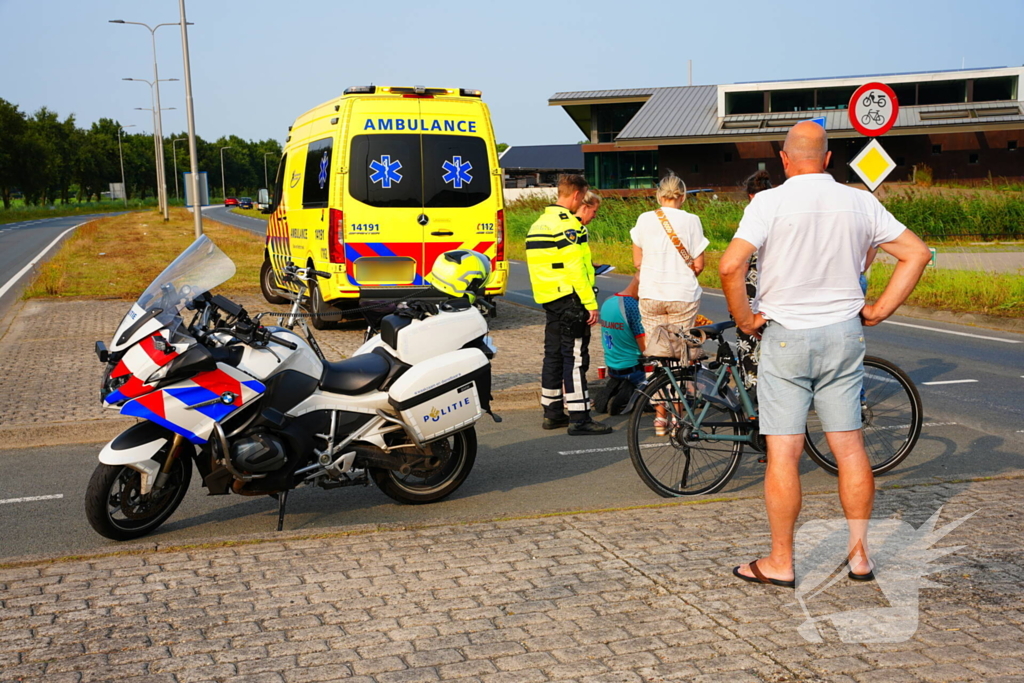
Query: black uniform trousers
[(566, 361)]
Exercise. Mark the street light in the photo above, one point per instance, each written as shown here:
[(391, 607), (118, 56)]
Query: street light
[(124, 193), (197, 214), (223, 190), (157, 139), (161, 181), (265, 155), (174, 156)]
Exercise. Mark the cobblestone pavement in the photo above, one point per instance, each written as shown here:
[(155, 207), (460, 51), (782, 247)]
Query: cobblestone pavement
[(48, 350), (614, 597)]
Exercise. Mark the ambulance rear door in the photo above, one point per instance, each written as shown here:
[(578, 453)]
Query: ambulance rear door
[(384, 194), (459, 207)]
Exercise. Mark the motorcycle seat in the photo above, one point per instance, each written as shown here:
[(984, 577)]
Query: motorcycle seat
[(357, 375)]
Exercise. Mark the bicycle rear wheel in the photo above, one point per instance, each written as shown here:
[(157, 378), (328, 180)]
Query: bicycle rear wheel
[(891, 415), (677, 464)]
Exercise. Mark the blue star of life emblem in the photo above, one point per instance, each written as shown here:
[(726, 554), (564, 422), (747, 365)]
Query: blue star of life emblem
[(385, 171), (325, 161), (457, 172)]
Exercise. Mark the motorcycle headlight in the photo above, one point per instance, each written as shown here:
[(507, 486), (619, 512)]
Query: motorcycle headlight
[(160, 373), (112, 384)]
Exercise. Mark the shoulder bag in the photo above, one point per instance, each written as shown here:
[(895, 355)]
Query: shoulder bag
[(675, 239)]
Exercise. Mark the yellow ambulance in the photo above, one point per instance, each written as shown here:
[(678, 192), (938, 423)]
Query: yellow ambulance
[(374, 185)]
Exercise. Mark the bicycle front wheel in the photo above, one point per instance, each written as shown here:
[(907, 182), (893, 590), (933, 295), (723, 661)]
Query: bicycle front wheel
[(678, 463), (891, 416)]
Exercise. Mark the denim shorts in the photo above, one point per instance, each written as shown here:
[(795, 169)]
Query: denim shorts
[(823, 366)]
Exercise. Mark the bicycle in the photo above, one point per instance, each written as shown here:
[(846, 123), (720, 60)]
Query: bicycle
[(872, 115), (712, 417)]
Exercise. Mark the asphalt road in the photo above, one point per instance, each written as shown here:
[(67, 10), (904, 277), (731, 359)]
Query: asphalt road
[(975, 428), (520, 470), (25, 242), (980, 372)]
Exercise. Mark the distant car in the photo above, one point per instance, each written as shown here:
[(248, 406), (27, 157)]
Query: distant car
[(230, 201), (245, 203)]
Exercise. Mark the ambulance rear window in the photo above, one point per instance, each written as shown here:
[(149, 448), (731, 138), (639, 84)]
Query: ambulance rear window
[(455, 171), (410, 170), (385, 170)]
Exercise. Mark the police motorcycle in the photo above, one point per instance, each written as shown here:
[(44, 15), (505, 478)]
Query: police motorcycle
[(258, 411)]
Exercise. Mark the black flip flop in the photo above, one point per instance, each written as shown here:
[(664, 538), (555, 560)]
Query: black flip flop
[(869, 576), (758, 577)]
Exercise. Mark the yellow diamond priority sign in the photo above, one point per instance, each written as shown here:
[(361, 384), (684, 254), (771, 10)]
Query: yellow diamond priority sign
[(873, 164)]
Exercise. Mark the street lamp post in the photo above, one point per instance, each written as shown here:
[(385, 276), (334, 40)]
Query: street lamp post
[(157, 153), (161, 181), (223, 189), (192, 153), (265, 155), (120, 154), (174, 156), (157, 139)]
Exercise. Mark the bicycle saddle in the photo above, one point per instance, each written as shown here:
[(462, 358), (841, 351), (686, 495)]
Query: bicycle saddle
[(713, 331)]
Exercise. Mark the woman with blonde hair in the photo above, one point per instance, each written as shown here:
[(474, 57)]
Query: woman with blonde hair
[(668, 251)]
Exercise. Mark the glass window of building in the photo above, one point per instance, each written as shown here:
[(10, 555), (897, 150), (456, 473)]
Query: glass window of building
[(610, 119), (995, 89), (834, 98), (792, 100), (744, 103), (906, 93), (621, 170), (942, 92)]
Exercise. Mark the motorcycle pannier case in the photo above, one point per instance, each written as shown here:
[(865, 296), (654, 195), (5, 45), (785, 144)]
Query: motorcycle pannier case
[(443, 395)]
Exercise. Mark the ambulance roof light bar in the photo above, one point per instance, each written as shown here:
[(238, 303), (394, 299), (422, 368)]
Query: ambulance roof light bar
[(466, 92), (361, 89)]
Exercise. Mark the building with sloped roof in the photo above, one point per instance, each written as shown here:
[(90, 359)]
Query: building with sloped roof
[(539, 165), (964, 125)]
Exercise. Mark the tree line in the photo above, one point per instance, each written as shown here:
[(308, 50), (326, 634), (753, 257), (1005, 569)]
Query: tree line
[(47, 160)]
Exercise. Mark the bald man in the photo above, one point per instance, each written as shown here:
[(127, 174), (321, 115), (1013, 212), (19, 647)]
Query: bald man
[(812, 236)]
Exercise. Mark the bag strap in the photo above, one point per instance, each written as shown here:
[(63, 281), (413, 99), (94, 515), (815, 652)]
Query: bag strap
[(675, 239)]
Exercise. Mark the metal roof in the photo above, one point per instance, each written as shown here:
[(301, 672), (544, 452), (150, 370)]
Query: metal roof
[(543, 157), (676, 112), (601, 94)]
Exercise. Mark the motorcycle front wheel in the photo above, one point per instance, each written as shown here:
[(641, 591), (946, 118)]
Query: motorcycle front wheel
[(457, 454), (116, 509)]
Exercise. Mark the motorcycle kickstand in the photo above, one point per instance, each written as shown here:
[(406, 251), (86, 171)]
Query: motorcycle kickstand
[(282, 500)]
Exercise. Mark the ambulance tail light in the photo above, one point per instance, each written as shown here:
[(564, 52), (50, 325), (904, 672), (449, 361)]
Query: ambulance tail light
[(336, 236), (499, 236)]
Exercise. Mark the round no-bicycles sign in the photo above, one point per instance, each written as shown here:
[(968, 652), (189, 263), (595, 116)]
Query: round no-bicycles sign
[(873, 109)]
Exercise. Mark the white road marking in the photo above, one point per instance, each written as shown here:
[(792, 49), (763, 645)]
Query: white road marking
[(525, 297), (924, 424), (14, 280), (609, 449), (962, 334), (720, 296), (32, 499), (949, 381)]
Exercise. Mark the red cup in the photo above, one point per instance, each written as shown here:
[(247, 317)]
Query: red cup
[(602, 372)]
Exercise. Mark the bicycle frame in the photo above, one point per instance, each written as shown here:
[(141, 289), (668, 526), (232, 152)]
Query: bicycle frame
[(727, 364)]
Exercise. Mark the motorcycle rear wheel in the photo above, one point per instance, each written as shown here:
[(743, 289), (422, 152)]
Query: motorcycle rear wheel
[(115, 509), (415, 488)]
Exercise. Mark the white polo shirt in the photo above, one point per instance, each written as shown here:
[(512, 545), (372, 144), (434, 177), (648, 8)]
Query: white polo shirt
[(812, 235)]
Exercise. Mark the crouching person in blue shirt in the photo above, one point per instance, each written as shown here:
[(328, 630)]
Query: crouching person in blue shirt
[(623, 337)]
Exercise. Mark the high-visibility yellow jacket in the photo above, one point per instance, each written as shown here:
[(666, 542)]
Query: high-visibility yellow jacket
[(558, 256)]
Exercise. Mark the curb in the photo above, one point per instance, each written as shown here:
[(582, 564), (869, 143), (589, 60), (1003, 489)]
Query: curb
[(342, 531), (991, 322)]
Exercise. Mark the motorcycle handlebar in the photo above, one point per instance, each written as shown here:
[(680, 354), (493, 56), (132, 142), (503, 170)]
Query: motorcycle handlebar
[(283, 342)]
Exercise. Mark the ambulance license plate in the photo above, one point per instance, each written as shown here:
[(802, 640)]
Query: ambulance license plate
[(385, 271)]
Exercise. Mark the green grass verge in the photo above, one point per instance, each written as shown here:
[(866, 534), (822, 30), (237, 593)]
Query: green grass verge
[(251, 213), (118, 256), (996, 294)]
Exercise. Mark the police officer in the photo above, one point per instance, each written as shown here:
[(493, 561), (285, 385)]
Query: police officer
[(562, 276)]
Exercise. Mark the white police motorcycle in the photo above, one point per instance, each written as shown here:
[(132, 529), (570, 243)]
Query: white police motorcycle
[(258, 411)]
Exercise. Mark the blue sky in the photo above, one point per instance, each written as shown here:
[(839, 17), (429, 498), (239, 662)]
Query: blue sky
[(258, 64)]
